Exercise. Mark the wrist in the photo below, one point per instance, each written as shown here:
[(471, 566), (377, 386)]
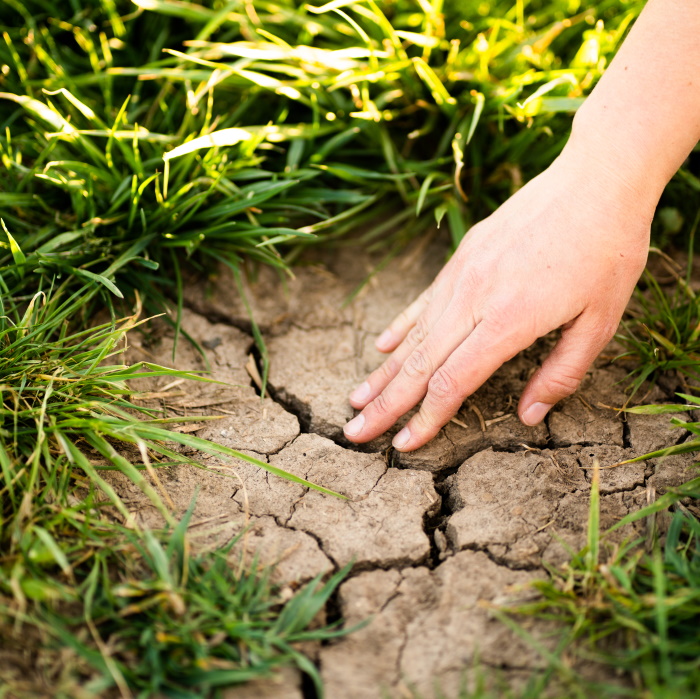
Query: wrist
[(612, 169)]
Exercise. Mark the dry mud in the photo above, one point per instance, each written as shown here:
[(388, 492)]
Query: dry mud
[(436, 536)]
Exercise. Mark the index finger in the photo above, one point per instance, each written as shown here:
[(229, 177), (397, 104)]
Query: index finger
[(397, 330)]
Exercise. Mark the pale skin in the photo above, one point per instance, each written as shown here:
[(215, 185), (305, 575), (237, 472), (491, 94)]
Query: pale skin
[(564, 252)]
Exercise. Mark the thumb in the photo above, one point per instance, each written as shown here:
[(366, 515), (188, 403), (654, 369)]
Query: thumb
[(564, 369)]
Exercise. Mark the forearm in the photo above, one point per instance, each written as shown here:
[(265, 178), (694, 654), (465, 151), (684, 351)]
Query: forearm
[(643, 118)]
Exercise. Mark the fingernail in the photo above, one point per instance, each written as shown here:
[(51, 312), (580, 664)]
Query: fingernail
[(361, 393), (354, 427), (535, 413), (402, 438), (384, 339)]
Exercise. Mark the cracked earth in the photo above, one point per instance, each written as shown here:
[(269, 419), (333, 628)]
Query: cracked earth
[(435, 536)]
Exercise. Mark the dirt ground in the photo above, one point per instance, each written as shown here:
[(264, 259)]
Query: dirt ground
[(436, 535)]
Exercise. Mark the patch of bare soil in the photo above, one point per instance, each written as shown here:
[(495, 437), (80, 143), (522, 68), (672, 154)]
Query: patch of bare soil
[(436, 536)]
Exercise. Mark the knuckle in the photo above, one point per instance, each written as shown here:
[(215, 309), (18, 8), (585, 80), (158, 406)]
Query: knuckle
[(560, 384), (507, 320), (496, 324), (381, 405), (442, 386), (501, 316), (417, 366), (507, 334), (474, 277), (417, 334)]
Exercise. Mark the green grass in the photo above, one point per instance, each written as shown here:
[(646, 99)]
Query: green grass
[(629, 609), (633, 607), (267, 141), (137, 138), (662, 330), (168, 622), (66, 545)]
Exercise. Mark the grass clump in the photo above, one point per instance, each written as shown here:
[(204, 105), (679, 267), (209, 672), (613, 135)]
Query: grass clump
[(179, 624), (75, 572), (208, 130), (633, 608), (662, 329)]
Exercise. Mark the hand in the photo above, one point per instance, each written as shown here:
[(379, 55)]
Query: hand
[(564, 252)]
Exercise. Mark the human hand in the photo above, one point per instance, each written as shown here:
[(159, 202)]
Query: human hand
[(564, 252)]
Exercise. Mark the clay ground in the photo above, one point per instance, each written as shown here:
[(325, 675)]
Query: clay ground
[(435, 535)]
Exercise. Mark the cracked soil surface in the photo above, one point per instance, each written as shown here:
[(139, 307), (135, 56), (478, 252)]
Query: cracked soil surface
[(436, 536)]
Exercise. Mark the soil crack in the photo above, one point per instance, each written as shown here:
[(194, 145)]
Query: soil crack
[(313, 535), (500, 561), (217, 317), (454, 532), (626, 435)]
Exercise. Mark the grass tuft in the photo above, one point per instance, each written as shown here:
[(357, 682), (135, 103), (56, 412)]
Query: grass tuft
[(630, 611)]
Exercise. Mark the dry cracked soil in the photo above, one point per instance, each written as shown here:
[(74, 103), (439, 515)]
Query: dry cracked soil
[(437, 536)]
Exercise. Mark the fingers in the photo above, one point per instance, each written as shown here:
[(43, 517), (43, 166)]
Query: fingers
[(413, 372), (392, 337), (378, 380), (484, 351), (464, 371), (564, 369)]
